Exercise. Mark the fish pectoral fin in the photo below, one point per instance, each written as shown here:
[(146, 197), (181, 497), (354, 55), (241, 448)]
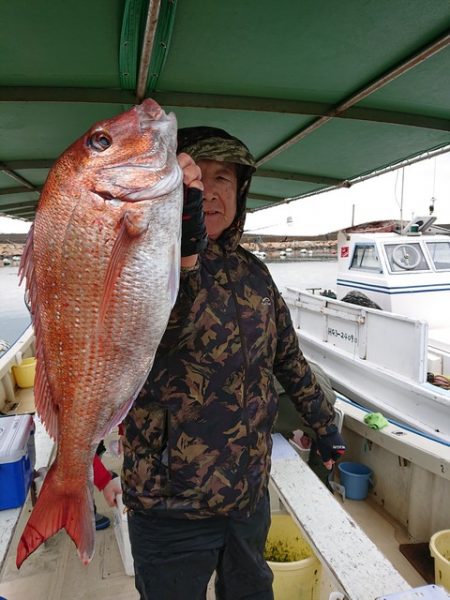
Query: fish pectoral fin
[(133, 225), (136, 223), (55, 510)]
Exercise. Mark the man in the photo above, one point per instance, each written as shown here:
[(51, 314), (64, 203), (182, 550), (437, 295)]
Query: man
[(197, 441)]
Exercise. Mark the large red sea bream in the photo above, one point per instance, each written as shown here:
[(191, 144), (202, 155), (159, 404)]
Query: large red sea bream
[(102, 272)]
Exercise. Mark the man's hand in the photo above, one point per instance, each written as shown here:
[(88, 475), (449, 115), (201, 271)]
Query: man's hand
[(331, 446), (193, 231), (192, 175), (111, 490)]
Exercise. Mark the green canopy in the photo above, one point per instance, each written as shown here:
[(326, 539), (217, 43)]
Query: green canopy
[(322, 91)]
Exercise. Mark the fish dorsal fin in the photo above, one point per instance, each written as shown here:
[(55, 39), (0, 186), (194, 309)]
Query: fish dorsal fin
[(132, 226), (46, 408)]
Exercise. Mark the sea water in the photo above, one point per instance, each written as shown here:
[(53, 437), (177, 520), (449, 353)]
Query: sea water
[(304, 274), (301, 274), (14, 315)]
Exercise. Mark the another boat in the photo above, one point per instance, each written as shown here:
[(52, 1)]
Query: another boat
[(386, 359), (382, 361)]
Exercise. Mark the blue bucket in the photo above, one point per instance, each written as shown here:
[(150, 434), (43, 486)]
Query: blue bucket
[(355, 478)]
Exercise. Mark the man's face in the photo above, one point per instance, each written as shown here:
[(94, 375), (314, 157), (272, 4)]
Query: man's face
[(219, 196)]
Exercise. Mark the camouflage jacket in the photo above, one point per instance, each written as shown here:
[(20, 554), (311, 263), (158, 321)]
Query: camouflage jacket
[(197, 441)]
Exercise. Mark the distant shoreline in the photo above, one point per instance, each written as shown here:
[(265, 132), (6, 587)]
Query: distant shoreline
[(7, 251)]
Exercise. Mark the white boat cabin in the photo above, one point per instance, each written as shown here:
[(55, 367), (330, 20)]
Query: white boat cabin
[(407, 273)]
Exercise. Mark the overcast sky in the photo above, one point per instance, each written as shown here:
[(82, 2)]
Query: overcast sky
[(373, 200), (13, 225), (376, 199)]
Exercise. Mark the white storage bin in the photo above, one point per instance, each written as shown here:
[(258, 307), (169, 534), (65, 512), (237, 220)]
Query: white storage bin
[(120, 523)]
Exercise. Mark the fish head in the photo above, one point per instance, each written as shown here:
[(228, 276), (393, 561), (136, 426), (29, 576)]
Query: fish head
[(129, 158)]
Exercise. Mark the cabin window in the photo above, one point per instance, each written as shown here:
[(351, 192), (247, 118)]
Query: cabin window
[(440, 254), (406, 257), (365, 257)]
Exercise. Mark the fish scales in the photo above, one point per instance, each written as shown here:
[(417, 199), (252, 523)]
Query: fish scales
[(102, 269)]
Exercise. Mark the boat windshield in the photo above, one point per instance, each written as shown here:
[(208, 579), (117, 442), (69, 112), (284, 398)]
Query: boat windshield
[(440, 254), (365, 257), (406, 257)]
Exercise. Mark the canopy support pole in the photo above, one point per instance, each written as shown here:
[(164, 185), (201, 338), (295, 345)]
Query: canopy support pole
[(147, 48)]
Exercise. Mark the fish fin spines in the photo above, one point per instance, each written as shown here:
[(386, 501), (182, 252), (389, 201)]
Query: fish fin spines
[(26, 267), (43, 397), (47, 409), (73, 511)]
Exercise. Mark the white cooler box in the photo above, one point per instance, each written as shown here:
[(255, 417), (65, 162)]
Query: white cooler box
[(16, 459), (120, 523)]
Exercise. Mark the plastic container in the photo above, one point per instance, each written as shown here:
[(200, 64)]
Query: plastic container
[(440, 551), (25, 372), (427, 592), (120, 524), (355, 478), (15, 464), (298, 579)]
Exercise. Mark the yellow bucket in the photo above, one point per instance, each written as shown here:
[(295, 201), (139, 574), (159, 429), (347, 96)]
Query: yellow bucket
[(440, 551), (25, 372), (293, 579)]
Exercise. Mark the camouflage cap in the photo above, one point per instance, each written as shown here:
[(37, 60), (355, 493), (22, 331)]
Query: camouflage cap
[(210, 143)]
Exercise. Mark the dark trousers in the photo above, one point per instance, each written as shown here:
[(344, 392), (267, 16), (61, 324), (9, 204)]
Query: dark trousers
[(175, 558)]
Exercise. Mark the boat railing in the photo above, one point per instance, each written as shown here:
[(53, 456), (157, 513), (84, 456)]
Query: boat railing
[(392, 342), (16, 400), (23, 348), (352, 563)]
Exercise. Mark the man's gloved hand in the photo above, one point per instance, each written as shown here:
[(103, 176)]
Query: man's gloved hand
[(193, 231), (331, 445)]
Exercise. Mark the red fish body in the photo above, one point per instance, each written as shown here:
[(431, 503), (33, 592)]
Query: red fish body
[(102, 271)]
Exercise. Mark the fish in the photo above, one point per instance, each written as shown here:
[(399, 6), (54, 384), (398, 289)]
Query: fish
[(102, 267)]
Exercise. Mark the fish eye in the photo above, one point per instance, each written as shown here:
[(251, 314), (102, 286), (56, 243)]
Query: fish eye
[(99, 141)]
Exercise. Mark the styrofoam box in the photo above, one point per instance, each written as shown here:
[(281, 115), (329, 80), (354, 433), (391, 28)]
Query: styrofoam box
[(427, 592), (16, 466), (120, 523)]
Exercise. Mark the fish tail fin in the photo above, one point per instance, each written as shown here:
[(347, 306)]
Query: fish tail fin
[(73, 511)]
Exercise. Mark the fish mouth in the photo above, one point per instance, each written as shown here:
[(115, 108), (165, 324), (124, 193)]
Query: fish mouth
[(163, 187), (152, 116), (150, 111)]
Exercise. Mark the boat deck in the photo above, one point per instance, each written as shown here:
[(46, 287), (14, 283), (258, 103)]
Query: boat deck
[(54, 571), (386, 533)]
